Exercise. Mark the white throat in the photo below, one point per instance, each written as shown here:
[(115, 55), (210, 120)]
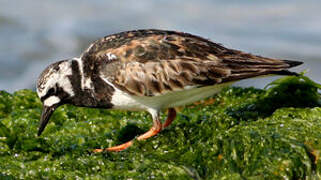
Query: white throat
[(51, 101)]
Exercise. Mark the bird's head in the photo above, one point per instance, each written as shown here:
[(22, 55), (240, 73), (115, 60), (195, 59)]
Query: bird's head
[(54, 88)]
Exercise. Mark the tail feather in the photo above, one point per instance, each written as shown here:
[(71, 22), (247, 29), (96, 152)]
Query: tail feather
[(292, 63), (241, 69)]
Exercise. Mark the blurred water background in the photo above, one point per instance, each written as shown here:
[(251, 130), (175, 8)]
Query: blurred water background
[(35, 33)]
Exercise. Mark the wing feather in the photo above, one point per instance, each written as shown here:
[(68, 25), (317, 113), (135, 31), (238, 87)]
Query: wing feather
[(159, 77), (154, 62)]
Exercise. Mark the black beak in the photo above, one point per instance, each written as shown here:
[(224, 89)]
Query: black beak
[(45, 116)]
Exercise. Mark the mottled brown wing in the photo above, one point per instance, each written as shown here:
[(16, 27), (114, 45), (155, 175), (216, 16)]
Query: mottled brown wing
[(153, 62), (154, 45), (155, 78)]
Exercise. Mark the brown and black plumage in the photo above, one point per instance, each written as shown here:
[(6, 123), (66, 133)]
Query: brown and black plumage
[(153, 62), (152, 70)]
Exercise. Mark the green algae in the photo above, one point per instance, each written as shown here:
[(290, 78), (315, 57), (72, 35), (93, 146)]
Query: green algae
[(245, 133)]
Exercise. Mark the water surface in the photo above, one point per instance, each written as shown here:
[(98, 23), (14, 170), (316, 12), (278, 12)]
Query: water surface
[(35, 33)]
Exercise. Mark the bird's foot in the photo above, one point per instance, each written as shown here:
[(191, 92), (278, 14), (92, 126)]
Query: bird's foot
[(116, 148), (152, 132), (157, 127)]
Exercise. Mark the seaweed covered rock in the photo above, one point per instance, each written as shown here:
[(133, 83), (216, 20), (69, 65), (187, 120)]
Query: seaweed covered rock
[(240, 133)]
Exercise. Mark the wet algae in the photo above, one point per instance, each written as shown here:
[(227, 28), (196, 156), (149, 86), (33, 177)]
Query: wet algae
[(241, 133)]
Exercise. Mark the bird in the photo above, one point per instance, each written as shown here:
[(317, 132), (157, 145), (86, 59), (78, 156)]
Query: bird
[(148, 70)]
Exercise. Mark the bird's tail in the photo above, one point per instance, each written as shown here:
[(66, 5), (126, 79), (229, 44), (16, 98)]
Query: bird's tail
[(291, 64)]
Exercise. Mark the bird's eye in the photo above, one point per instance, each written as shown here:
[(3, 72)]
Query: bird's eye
[(51, 91)]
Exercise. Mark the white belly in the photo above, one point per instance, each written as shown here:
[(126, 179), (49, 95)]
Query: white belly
[(123, 100)]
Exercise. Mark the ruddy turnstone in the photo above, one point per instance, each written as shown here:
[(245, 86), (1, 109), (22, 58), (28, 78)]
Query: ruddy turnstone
[(148, 70)]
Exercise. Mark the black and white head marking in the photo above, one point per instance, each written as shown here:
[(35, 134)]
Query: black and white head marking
[(52, 79), (86, 82)]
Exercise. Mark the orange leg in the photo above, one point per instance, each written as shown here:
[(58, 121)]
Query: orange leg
[(156, 128), (170, 117), (116, 148)]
